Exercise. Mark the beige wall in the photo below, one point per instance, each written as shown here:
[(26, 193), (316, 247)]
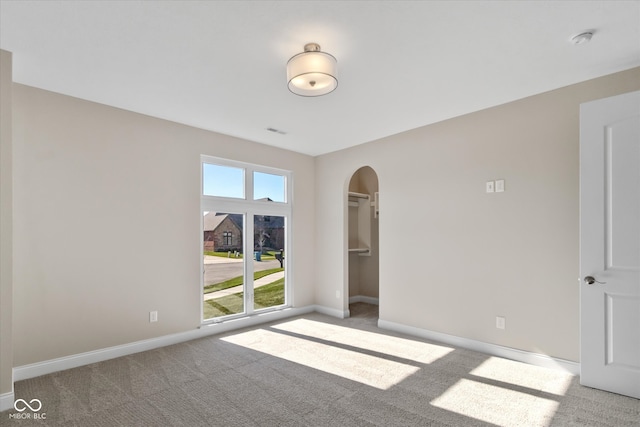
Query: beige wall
[(463, 257), (6, 215), (107, 223)]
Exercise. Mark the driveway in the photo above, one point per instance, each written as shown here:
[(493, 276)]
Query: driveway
[(219, 269)]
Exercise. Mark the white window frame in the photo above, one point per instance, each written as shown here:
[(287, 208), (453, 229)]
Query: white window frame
[(249, 208)]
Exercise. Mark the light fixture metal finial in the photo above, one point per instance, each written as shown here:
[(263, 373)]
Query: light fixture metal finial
[(312, 47)]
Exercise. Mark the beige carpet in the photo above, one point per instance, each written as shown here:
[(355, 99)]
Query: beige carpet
[(318, 371)]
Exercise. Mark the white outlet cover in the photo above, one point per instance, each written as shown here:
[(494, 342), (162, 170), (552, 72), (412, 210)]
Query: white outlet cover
[(500, 322), (500, 186)]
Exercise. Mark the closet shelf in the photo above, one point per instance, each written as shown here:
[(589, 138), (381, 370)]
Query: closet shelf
[(359, 250)]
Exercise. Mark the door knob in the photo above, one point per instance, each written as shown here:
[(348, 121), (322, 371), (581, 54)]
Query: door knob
[(590, 280)]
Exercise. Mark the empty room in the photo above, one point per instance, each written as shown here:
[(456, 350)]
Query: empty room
[(320, 213)]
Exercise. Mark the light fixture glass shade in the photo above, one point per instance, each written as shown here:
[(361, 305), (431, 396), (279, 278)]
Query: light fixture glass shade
[(312, 73)]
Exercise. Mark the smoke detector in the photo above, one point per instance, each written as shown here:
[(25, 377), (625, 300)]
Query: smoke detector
[(582, 37)]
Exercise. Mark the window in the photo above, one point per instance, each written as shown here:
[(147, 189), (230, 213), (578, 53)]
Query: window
[(244, 239), (228, 238)]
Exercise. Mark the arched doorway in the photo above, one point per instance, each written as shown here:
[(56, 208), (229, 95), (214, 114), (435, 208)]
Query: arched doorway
[(363, 243)]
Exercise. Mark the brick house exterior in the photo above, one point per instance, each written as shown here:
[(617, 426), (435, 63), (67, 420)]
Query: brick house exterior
[(223, 232), (268, 232)]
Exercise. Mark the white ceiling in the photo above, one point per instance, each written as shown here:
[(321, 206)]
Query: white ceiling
[(220, 65)]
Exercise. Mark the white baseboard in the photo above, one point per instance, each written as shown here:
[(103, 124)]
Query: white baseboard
[(333, 312), (483, 347), (82, 359), (6, 401), (55, 365), (363, 298)]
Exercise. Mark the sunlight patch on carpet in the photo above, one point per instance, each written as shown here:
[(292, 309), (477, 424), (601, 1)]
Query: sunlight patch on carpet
[(524, 375), (355, 366), (496, 405), (408, 349)]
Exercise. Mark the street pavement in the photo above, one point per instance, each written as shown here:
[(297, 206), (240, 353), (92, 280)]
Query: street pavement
[(218, 269)]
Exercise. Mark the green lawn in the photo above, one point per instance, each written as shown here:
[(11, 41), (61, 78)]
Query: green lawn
[(265, 255), (222, 254), (265, 296), (237, 281)]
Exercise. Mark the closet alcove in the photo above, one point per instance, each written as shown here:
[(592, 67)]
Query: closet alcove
[(363, 217)]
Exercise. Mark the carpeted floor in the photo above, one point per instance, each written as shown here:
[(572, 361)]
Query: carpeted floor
[(316, 370)]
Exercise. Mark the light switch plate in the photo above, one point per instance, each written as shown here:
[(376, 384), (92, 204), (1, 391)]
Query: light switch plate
[(500, 186), (490, 186)]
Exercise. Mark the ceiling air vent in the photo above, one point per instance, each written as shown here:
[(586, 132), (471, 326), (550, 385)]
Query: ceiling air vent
[(281, 132)]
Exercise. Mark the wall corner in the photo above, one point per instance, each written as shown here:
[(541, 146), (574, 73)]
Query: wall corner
[(6, 231)]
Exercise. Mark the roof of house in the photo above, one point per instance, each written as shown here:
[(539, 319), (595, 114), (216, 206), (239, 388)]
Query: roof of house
[(212, 220)]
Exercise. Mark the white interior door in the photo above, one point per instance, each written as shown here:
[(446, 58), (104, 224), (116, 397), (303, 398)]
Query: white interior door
[(610, 244)]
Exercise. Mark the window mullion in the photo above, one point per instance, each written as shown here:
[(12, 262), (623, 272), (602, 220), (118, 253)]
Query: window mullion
[(248, 184), (248, 265)]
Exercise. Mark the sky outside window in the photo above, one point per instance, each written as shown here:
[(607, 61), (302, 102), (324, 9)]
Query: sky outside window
[(268, 185), (228, 181), (222, 181)]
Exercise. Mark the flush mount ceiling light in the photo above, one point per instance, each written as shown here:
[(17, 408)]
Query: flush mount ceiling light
[(312, 73)]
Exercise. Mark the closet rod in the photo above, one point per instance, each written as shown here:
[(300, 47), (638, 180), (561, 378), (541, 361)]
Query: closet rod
[(359, 195)]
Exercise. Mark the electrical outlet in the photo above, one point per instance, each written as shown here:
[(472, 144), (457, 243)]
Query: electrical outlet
[(338, 294), (501, 322), (153, 316), (490, 186), (500, 186)]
